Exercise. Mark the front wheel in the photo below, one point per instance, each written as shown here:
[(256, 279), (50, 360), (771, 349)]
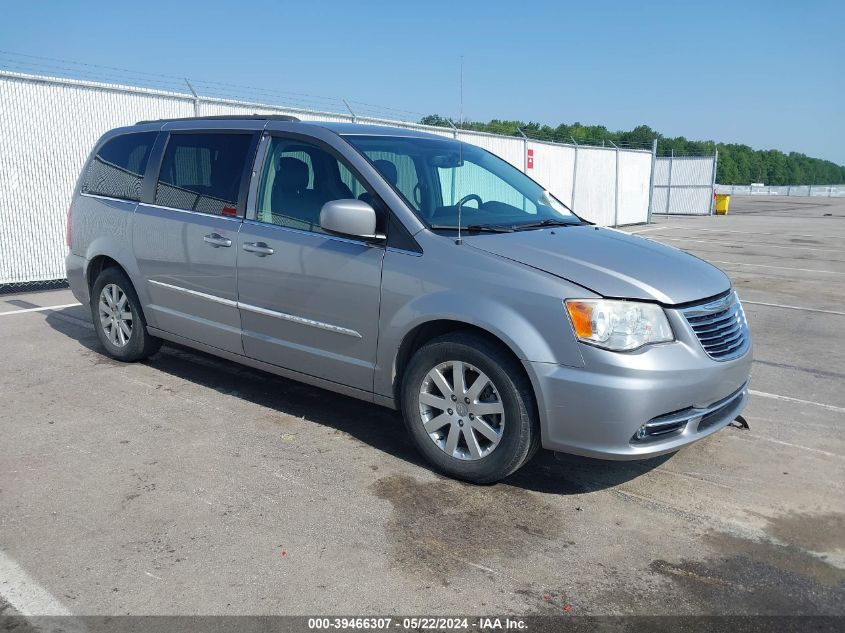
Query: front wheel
[(469, 408), (118, 319)]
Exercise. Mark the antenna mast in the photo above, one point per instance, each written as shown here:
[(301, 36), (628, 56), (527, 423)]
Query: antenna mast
[(460, 241), (461, 119)]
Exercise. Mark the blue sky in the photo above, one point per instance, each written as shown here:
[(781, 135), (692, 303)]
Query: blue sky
[(769, 74)]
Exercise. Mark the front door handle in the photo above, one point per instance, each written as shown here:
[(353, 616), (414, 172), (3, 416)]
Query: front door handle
[(259, 248), (217, 240)]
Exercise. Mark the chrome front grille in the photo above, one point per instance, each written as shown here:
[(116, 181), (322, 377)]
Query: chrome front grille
[(720, 327)]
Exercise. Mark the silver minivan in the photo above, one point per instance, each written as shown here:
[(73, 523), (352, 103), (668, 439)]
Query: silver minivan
[(409, 270)]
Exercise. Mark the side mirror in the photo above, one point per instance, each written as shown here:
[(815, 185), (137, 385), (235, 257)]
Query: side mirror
[(353, 218)]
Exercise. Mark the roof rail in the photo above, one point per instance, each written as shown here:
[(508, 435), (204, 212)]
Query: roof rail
[(225, 117)]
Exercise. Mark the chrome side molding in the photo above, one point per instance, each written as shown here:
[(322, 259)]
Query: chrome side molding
[(259, 310)]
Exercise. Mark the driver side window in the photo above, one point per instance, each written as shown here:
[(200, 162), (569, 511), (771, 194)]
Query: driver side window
[(297, 180)]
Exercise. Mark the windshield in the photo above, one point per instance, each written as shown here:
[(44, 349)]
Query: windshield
[(443, 180)]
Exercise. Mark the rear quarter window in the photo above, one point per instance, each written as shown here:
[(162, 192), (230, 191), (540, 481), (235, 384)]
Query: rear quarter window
[(117, 169)]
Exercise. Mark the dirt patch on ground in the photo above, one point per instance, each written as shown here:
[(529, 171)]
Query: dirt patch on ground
[(439, 527), (750, 577), (814, 532)]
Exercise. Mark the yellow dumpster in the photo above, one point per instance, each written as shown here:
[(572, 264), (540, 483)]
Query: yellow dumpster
[(723, 201)]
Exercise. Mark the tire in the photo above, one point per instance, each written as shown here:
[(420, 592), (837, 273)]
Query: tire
[(509, 439), (138, 343)]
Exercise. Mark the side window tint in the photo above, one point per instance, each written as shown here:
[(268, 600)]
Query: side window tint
[(352, 182), (117, 170), (298, 179), (203, 172)]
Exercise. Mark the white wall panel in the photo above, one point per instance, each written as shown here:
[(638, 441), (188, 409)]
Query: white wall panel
[(634, 176), (692, 170), (553, 168), (221, 107), (595, 185), (683, 185), (508, 147)]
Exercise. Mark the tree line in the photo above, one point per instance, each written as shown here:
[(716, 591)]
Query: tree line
[(738, 164)]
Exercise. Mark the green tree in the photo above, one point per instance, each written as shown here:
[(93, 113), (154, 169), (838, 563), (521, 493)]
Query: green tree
[(738, 164)]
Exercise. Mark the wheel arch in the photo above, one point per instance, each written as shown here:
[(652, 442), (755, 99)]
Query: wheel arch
[(429, 330), (97, 265)]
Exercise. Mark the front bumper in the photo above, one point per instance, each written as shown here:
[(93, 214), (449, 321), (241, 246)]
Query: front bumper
[(674, 391)]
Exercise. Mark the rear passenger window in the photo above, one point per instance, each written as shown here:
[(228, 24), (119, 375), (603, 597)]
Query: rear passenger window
[(203, 172), (117, 170)]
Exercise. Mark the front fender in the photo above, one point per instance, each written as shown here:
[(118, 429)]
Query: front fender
[(522, 309)]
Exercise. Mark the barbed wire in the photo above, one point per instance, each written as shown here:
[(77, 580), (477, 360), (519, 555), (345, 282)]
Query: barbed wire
[(68, 69), (551, 137), (208, 88)]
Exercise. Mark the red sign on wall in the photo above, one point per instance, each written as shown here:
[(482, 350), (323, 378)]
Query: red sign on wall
[(529, 163)]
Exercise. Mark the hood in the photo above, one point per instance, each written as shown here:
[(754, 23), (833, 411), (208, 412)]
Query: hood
[(610, 263)]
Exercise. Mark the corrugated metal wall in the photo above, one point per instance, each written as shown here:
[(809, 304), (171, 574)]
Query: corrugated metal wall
[(595, 183), (818, 191), (683, 185), (553, 166), (634, 190), (49, 125)]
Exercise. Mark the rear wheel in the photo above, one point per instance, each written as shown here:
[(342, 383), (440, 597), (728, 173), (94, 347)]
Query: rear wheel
[(469, 408), (118, 318)]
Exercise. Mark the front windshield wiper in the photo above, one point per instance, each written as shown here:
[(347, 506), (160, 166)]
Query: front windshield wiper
[(475, 228), (542, 223)]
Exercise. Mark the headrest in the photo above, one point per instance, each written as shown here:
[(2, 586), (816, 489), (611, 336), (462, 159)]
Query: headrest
[(291, 175), (388, 170)]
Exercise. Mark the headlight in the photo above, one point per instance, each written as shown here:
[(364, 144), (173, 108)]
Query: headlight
[(618, 325)]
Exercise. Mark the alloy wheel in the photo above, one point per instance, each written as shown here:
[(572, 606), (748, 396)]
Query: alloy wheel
[(116, 317), (461, 410)]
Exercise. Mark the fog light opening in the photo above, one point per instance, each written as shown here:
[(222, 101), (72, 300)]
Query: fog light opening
[(653, 430)]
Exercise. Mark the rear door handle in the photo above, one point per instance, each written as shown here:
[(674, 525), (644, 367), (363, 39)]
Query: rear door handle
[(259, 248), (217, 240)]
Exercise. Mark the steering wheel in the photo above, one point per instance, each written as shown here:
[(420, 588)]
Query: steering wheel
[(468, 197)]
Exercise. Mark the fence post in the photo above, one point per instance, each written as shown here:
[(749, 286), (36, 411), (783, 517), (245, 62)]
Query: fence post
[(616, 188), (574, 174), (524, 151), (651, 179), (196, 97), (454, 129), (713, 181), (524, 161), (669, 184), (354, 118)]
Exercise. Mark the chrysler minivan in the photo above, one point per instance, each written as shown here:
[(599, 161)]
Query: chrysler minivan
[(409, 270)]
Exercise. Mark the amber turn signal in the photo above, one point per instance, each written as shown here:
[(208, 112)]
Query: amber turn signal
[(582, 317)]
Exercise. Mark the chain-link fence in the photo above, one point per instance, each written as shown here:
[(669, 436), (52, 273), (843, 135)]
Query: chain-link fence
[(49, 124)]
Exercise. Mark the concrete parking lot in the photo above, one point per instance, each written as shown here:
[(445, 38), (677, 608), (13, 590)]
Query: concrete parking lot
[(187, 484)]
